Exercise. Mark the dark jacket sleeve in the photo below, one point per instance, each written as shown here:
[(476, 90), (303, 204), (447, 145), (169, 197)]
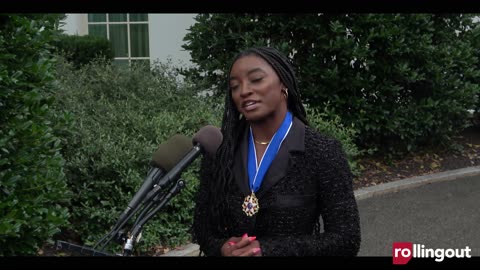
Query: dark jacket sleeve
[(338, 209), (204, 232)]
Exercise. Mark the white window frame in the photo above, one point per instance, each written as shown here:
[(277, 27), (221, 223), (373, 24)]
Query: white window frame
[(107, 23)]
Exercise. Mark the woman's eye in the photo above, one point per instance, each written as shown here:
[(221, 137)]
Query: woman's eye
[(256, 80), (233, 87)]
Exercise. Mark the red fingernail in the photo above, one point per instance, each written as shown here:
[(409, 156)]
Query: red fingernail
[(256, 250), (251, 238), (231, 243), (245, 235)]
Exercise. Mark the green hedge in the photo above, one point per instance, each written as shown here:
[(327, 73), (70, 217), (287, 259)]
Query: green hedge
[(475, 41), (402, 81), (81, 50), (33, 190), (320, 120), (121, 116)]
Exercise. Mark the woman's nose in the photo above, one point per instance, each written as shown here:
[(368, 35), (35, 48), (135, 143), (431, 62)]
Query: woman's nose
[(245, 90)]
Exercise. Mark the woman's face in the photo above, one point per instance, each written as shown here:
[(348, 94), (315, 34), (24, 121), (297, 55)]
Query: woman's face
[(256, 88)]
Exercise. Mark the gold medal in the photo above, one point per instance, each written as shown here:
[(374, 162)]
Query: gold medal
[(250, 205)]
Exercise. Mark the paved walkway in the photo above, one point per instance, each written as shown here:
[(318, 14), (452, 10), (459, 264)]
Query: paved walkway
[(439, 211), (437, 215)]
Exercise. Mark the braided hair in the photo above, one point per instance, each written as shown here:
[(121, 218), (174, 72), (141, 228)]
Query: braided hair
[(233, 126)]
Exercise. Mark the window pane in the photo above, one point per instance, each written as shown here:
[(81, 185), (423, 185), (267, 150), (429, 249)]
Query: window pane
[(120, 62), (118, 37), (117, 17), (138, 17), (99, 30), (139, 40), (97, 17)]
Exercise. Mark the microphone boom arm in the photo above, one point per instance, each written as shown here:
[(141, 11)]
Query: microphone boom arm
[(131, 241)]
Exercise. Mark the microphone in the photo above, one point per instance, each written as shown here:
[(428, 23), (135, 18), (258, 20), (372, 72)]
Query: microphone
[(163, 160), (206, 140)]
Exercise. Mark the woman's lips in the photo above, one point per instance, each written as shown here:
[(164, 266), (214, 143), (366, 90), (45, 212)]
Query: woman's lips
[(250, 105)]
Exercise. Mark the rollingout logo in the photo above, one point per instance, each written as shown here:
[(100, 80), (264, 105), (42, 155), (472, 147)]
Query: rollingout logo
[(402, 252)]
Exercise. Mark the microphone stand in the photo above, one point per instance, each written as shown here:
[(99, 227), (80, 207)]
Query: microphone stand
[(62, 245), (140, 222), (117, 233), (155, 194), (149, 210)]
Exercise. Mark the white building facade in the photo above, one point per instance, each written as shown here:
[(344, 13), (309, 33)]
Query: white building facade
[(145, 37)]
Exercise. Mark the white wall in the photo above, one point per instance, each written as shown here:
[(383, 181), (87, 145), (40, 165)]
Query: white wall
[(166, 37), (76, 24)]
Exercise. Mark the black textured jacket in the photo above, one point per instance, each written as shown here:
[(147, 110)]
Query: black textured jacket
[(308, 183)]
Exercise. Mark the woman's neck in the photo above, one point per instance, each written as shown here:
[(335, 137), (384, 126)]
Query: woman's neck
[(264, 129)]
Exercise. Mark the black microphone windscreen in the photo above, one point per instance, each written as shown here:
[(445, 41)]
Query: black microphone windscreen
[(171, 152), (209, 137)]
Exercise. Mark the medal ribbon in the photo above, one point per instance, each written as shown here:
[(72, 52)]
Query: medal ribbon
[(256, 173)]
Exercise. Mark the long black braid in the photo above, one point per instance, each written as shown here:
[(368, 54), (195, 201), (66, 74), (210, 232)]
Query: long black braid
[(233, 126)]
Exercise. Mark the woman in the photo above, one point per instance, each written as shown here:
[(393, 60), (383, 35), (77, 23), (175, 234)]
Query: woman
[(274, 180)]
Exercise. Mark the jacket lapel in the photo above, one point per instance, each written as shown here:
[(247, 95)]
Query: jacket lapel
[(295, 141)]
